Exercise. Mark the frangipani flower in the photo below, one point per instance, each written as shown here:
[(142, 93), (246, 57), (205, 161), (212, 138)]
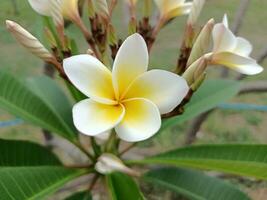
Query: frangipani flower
[(232, 51), (173, 8), (129, 99)]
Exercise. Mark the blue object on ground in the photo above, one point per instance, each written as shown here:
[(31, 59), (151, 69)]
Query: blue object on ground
[(243, 106), (9, 123), (226, 106)]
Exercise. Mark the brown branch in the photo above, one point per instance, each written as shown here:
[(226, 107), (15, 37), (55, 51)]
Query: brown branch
[(243, 7), (250, 87), (254, 87), (195, 127)]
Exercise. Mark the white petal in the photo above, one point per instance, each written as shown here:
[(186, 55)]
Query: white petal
[(141, 121), (225, 21), (223, 38), (163, 88), (91, 77), (42, 7), (236, 62), (92, 118), (130, 62), (243, 47)]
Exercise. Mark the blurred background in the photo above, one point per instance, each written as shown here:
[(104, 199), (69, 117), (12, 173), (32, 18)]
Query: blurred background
[(222, 126)]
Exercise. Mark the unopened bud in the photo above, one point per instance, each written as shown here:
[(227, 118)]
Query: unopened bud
[(198, 82), (56, 13), (202, 42), (195, 70), (132, 28), (43, 7), (27, 40), (195, 11), (147, 8), (102, 9), (112, 37), (131, 2), (91, 8), (50, 37), (70, 10), (90, 52), (108, 163)]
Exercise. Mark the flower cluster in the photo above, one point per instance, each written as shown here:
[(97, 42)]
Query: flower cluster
[(129, 98)]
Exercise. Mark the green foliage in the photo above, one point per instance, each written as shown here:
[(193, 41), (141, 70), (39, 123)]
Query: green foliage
[(20, 100), (49, 91), (208, 96), (80, 196), (245, 160), (123, 187), (193, 184), (29, 171)]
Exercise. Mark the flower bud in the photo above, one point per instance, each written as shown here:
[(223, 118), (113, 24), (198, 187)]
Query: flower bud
[(195, 11), (147, 8), (56, 13), (43, 7), (202, 42), (50, 37), (70, 9), (112, 37), (27, 40), (131, 2), (132, 27), (195, 70), (102, 9), (108, 163), (91, 8)]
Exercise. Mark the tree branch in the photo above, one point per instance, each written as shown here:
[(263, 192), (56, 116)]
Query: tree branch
[(250, 87)]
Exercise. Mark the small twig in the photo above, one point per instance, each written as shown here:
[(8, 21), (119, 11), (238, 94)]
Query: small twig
[(239, 17), (250, 87), (127, 148), (79, 166), (94, 181), (195, 127)]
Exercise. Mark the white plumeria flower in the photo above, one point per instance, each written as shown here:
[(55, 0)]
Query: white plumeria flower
[(232, 51), (173, 8), (129, 99)]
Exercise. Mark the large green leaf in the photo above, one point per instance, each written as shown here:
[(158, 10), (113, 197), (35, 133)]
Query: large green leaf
[(29, 171), (80, 196), (21, 101), (50, 92), (123, 187), (246, 160), (209, 95), (194, 185)]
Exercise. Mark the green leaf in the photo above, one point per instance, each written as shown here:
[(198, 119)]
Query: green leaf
[(55, 98), (194, 185), (21, 101), (123, 187), (208, 96), (239, 159), (29, 171), (80, 196), (76, 94)]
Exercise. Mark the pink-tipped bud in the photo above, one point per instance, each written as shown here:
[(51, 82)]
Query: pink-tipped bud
[(27, 40)]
